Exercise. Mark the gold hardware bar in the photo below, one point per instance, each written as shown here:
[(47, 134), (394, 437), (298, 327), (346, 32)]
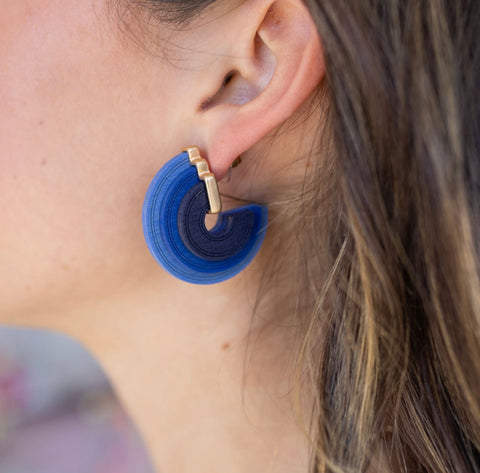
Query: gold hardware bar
[(207, 176)]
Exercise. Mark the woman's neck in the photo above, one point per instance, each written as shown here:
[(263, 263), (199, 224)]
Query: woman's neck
[(208, 389)]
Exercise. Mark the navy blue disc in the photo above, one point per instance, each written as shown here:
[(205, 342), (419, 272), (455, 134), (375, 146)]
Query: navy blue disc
[(173, 217)]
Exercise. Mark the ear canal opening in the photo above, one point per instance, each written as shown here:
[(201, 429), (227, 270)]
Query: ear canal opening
[(211, 101)]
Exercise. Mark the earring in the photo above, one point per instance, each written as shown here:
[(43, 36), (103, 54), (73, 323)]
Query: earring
[(174, 210)]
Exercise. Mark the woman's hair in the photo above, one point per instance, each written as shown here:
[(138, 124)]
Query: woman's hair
[(392, 340), (401, 365)]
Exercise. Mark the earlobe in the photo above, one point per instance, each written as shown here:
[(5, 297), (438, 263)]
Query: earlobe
[(284, 66)]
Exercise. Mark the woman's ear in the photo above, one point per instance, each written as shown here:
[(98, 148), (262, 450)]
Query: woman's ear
[(275, 61)]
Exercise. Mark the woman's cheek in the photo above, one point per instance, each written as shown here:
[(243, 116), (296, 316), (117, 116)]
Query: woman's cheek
[(71, 180)]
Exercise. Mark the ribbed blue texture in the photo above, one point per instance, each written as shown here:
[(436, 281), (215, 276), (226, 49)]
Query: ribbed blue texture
[(174, 213)]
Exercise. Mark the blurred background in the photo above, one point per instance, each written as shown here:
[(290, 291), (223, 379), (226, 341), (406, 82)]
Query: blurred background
[(58, 413)]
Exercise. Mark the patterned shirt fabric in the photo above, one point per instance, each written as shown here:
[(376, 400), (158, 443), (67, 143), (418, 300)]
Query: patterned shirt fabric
[(58, 413)]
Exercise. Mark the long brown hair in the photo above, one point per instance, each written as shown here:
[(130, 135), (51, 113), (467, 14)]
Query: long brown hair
[(400, 368)]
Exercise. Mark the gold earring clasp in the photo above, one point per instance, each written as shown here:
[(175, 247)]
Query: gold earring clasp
[(207, 176)]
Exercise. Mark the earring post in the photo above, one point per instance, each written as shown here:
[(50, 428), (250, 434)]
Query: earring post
[(204, 174)]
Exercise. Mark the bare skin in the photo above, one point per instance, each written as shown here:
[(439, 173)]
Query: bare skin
[(87, 117)]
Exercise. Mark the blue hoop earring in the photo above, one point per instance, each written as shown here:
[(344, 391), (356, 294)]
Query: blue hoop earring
[(174, 210)]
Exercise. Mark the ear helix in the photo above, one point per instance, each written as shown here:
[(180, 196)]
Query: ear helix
[(174, 210)]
